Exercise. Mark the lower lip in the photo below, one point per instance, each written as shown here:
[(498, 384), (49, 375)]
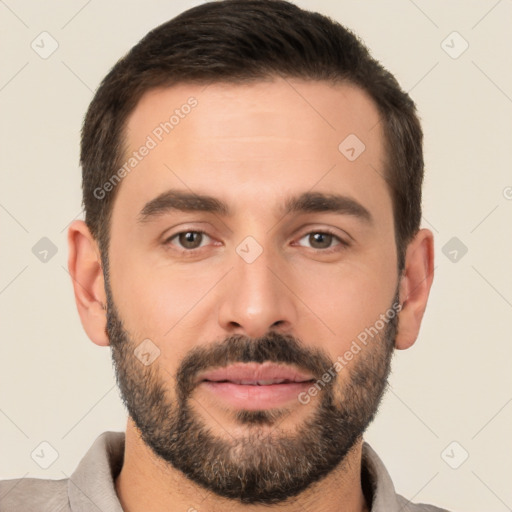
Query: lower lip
[(251, 398)]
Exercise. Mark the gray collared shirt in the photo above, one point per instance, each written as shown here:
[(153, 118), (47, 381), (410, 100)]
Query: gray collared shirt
[(91, 486)]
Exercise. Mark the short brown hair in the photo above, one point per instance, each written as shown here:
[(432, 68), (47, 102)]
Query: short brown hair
[(239, 41)]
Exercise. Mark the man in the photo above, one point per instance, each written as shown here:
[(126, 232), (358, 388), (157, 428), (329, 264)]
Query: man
[(252, 254)]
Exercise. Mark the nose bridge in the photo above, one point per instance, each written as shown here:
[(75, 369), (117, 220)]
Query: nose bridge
[(254, 299)]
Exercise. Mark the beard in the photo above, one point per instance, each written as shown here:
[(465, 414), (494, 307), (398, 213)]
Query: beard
[(266, 465)]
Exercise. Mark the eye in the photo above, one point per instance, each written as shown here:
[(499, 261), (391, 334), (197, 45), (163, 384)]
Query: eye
[(321, 240), (189, 240)]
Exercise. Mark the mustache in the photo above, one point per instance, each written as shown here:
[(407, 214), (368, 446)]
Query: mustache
[(273, 347)]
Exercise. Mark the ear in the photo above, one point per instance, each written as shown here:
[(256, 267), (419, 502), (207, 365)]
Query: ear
[(415, 284), (84, 264)]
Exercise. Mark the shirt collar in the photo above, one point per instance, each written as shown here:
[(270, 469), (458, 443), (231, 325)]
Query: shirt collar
[(383, 495), (93, 481)]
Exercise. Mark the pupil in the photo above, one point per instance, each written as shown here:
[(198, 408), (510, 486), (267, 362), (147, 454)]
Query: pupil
[(321, 240), (189, 240)]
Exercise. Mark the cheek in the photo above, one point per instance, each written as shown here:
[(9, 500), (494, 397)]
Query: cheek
[(162, 301), (157, 306), (345, 299)]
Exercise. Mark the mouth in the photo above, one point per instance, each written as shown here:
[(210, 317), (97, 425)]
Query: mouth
[(256, 374), (268, 382), (254, 386)]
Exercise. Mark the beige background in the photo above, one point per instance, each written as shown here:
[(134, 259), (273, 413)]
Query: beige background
[(454, 385)]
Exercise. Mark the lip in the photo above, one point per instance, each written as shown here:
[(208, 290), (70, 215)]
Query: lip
[(255, 372), (231, 384), (250, 397)]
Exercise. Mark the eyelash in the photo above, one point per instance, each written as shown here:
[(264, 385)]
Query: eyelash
[(182, 250), (342, 244)]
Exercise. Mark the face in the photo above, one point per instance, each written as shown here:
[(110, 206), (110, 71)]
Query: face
[(244, 238)]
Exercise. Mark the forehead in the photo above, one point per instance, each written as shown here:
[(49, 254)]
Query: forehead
[(261, 138)]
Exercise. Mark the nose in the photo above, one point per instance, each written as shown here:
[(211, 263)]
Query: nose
[(256, 298)]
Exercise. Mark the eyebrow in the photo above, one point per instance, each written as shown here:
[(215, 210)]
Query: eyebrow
[(311, 202), (181, 201), (308, 202)]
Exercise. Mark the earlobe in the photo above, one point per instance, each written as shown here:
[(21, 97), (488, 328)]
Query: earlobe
[(84, 264), (415, 285)]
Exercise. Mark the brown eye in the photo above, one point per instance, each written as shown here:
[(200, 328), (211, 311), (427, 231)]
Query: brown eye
[(321, 240), (189, 239)]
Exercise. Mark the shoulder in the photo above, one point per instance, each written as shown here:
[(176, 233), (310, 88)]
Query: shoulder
[(34, 495), (383, 496), (407, 506)]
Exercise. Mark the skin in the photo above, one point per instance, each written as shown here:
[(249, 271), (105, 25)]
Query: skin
[(251, 146)]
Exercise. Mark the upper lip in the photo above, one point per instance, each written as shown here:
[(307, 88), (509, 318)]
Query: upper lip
[(253, 372)]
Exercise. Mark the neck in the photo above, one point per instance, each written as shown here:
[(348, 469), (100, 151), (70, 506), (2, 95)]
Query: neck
[(146, 483)]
